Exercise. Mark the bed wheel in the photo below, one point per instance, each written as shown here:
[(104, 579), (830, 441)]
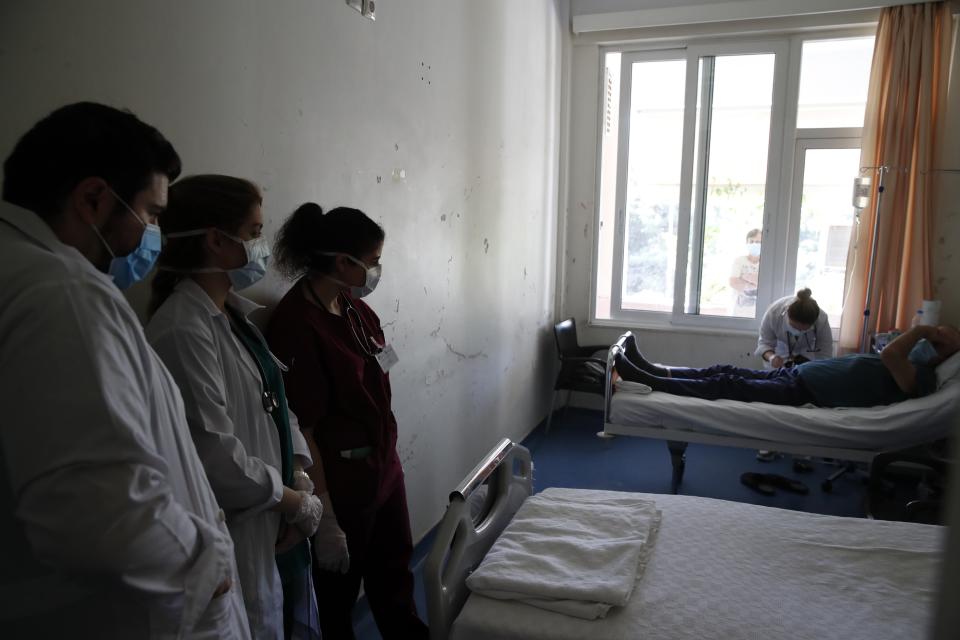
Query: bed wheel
[(826, 485)]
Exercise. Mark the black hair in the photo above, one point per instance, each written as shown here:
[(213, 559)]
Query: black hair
[(804, 309), (80, 141), (198, 202), (309, 233)]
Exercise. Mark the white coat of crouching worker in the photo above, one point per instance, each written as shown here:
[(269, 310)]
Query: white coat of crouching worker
[(905, 369)]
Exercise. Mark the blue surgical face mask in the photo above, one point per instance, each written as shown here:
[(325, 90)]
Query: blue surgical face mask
[(257, 252), (133, 267), (753, 249), (258, 257), (923, 353)]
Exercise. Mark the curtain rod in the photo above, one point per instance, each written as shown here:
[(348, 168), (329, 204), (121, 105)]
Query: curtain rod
[(923, 171)]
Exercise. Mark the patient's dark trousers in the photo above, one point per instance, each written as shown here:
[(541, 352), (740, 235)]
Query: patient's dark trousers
[(719, 382)]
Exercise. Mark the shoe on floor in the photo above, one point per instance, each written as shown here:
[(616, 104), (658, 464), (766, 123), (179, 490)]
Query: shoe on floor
[(782, 482), (757, 482)]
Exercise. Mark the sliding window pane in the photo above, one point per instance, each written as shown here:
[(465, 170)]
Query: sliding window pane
[(736, 139), (653, 184), (834, 75), (826, 218)]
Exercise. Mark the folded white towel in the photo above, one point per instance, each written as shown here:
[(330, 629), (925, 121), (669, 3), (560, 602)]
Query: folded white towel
[(570, 555), (632, 387)]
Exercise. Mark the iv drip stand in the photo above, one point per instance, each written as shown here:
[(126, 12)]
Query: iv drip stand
[(868, 301)]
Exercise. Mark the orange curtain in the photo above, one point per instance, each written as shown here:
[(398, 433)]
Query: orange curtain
[(905, 117)]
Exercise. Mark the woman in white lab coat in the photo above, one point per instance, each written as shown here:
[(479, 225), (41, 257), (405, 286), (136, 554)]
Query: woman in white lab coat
[(249, 442), (794, 330)]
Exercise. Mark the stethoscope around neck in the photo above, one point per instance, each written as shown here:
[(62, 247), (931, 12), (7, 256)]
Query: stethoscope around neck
[(367, 345), (794, 341), (268, 398)]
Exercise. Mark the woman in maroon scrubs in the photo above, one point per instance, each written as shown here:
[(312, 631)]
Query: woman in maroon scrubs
[(339, 387)]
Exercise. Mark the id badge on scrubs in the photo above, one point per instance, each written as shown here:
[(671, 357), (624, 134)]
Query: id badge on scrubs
[(387, 358)]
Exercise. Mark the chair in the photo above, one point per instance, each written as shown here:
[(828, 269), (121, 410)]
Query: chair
[(910, 485), (580, 368)]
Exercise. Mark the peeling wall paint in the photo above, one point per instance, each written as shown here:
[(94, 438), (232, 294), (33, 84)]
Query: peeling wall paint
[(412, 118)]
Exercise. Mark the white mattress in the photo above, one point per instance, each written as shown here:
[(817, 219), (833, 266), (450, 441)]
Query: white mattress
[(893, 426), (731, 570)]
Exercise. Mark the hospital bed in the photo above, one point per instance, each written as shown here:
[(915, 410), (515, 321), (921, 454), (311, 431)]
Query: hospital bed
[(853, 434), (717, 569)]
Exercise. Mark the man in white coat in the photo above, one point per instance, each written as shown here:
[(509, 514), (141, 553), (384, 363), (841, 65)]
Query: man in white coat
[(109, 526)]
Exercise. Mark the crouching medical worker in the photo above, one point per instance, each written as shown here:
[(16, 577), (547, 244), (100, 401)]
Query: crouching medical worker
[(340, 388), (794, 330), (109, 526), (249, 442)]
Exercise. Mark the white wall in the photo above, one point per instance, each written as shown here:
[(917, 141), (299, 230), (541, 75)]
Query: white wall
[(440, 120), (690, 347), (946, 255)]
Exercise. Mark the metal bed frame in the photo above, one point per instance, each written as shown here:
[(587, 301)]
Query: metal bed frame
[(461, 543), (678, 439)]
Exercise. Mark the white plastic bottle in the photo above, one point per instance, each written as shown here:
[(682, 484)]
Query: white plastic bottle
[(917, 319)]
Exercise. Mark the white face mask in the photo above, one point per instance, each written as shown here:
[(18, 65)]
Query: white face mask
[(792, 330), (257, 252), (753, 249), (372, 277)]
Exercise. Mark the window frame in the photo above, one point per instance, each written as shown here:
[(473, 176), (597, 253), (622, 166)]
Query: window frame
[(627, 59), (781, 213), (794, 214)]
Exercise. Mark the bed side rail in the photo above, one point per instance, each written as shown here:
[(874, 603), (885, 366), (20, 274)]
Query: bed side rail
[(484, 469), (461, 543), (616, 348)]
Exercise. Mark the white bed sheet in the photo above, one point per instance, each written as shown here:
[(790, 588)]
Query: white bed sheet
[(894, 426), (731, 570)]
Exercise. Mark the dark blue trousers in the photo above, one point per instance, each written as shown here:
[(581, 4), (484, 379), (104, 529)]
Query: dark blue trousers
[(724, 382)]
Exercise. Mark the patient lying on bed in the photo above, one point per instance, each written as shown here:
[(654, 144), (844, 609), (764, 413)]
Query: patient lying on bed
[(905, 369)]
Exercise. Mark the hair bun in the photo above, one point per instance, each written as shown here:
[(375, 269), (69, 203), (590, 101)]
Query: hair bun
[(804, 294), (309, 209)]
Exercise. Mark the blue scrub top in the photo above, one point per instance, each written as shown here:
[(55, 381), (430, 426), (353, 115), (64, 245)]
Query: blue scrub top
[(858, 380)]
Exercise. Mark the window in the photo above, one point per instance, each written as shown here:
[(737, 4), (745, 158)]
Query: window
[(826, 218), (725, 177)]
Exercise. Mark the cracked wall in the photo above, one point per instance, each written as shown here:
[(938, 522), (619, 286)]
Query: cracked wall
[(440, 120)]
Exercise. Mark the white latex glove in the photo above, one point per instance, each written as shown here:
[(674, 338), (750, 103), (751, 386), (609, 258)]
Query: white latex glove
[(308, 515), (330, 543), (301, 481)]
